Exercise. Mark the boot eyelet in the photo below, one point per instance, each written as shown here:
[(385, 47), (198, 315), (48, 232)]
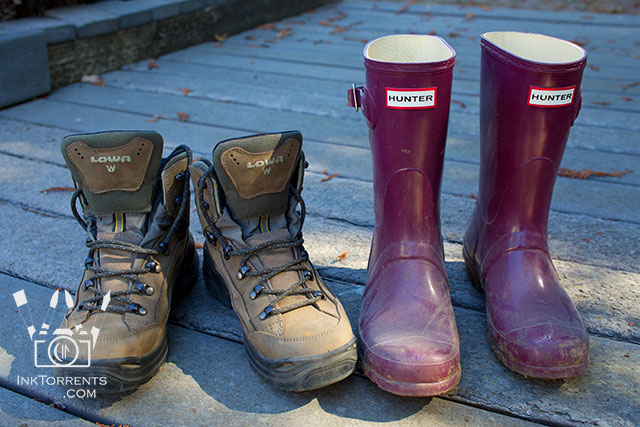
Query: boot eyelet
[(163, 247), (177, 200), (88, 262), (144, 289), (265, 313), (137, 309), (179, 177), (242, 272), (304, 254), (308, 275), (317, 294), (86, 284), (153, 267), (256, 291), (226, 251), (205, 206), (211, 238)]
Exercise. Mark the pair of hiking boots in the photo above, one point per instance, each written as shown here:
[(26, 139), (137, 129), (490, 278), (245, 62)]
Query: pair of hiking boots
[(136, 208)]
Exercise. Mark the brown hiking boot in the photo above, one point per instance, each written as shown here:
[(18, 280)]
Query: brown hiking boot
[(136, 214), (296, 333)]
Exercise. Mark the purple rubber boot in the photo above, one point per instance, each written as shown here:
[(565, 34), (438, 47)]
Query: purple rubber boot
[(408, 337), (529, 98)]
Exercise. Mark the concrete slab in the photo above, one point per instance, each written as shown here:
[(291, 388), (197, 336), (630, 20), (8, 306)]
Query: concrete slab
[(88, 20), (25, 66), (128, 13), (18, 410), (55, 31)]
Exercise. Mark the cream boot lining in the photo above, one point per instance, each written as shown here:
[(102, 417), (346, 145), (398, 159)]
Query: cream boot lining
[(408, 48), (536, 47)]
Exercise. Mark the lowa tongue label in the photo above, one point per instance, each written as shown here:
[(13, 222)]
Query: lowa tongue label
[(551, 97), (412, 99)]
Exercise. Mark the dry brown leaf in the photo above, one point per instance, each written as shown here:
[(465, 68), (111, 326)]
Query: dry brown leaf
[(473, 196), (598, 232), (325, 172), (339, 16), (586, 239), (342, 256), (402, 10), (325, 23), (603, 103), (453, 34), (283, 33), (338, 29), (626, 98), (183, 116), (460, 103), (586, 173), (269, 26), (333, 175), (593, 67), (220, 37), (185, 90), (55, 189), (634, 84), (199, 245), (152, 64), (155, 118), (432, 32), (93, 79)]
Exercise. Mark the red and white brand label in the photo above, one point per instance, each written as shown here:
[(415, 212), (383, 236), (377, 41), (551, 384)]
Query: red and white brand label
[(551, 97), (412, 99)]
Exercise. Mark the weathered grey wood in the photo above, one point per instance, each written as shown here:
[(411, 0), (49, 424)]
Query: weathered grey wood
[(605, 395), (18, 410)]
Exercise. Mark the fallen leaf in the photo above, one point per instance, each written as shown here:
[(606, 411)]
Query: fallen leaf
[(626, 98), (402, 10), (593, 67), (342, 256), (93, 79), (199, 245), (269, 26), (333, 175), (152, 64), (586, 173), (586, 239), (55, 189), (155, 118), (452, 34), (460, 103), (340, 15), (473, 196), (634, 84), (603, 103), (325, 23), (325, 172), (283, 33), (469, 17), (220, 37), (598, 232), (183, 116), (432, 32), (338, 29), (185, 90)]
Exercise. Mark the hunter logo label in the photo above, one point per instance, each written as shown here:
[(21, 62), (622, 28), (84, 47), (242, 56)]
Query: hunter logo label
[(412, 99), (551, 97), (263, 163)]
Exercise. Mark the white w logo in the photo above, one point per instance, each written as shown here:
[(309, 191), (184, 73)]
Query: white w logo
[(111, 168), (266, 171)]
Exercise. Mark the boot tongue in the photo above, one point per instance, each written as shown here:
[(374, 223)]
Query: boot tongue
[(115, 170), (255, 172)]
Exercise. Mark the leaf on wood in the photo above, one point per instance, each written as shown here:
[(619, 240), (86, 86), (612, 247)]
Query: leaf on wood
[(251, 37), (593, 67), (220, 37), (183, 116), (199, 245), (333, 175), (93, 79), (152, 64), (598, 232), (586, 173), (269, 26), (325, 172), (339, 16), (626, 98), (432, 32), (460, 103), (580, 42), (283, 33), (469, 17), (402, 10), (56, 189), (185, 90), (603, 103), (342, 256), (338, 29), (630, 85), (155, 118), (473, 196), (452, 34), (325, 23), (586, 239)]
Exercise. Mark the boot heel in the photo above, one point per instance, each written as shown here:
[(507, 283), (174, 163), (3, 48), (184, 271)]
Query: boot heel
[(188, 274), (472, 270), (213, 280)]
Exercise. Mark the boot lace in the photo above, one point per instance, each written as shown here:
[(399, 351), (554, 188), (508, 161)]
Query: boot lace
[(123, 303), (214, 235)]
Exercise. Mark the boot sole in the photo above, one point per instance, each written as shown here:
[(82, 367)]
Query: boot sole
[(498, 342), (294, 373), (128, 373)]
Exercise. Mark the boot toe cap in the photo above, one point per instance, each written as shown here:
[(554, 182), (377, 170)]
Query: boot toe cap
[(544, 350)]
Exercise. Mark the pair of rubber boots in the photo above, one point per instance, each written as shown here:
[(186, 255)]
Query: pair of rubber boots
[(530, 94), (142, 255)]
